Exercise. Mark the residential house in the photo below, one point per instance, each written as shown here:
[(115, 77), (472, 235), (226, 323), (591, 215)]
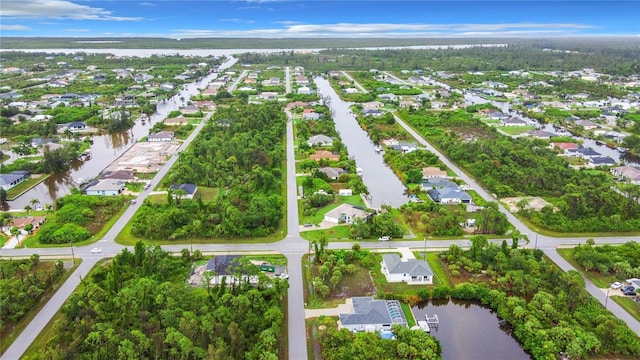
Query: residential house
[(512, 122), (231, 269), (21, 222), (332, 172), (345, 214), (296, 104), (388, 97), (324, 154), (627, 172), (268, 95), (311, 115), (105, 187), (350, 90), (305, 90), (602, 161), (345, 192), (586, 124), (410, 271), (76, 126), (566, 146), (585, 153), (320, 140), (405, 147), (371, 112), (445, 191), (8, 181), (432, 171), (541, 134), (162, 136), (188, 189), (497, 115), (189, 109), (372, 315)]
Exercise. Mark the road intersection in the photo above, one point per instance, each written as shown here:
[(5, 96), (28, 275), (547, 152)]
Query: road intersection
[(292, 246)]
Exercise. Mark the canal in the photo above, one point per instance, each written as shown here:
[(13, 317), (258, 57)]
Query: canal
[(105, 149), (470, 331), (384, 187)]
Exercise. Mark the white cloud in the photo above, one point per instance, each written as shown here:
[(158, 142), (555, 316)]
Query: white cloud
[(147, 3), (238, 21), (14, 27), (294, 29), (57, 9), (76, 30)]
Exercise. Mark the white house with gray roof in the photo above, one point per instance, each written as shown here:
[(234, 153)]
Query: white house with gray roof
[(411, 271), (372, 315)]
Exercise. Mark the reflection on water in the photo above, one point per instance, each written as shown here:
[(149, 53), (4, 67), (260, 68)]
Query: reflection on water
[(384, 186), (470, 331), (104, 150)]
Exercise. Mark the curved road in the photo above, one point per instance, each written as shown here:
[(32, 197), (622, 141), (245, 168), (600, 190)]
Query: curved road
[(292, 246)]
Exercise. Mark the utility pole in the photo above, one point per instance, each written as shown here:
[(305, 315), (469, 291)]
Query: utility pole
[(73, 257), (424, 254)]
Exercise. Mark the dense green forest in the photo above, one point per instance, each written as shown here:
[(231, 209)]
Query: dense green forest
[(620, 60), (22, 284), (140, 307), (243, 161), (78, 217), (582, 201), (550, 310)]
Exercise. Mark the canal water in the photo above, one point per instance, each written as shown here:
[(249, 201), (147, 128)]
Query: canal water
[(384, 187), (470, 331), (105, 149)]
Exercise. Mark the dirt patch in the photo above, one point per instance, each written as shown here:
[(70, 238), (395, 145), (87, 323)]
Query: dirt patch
[(525, 202)]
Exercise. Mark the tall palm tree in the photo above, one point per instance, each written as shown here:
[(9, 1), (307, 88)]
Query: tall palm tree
[(34, 203)]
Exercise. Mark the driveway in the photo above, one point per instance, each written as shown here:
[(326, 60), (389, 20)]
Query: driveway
[(347, 307)]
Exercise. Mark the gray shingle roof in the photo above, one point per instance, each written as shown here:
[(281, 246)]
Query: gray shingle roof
[(412, 267), (370, 311)]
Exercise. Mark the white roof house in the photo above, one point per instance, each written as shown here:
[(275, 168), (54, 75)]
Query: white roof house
[(320, 140), (411, 271), (345, 213)]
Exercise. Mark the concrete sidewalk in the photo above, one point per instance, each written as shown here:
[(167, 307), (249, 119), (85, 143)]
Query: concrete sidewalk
[(347, 307)]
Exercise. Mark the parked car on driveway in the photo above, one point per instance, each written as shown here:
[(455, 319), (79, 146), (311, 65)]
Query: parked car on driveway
[(630, 292), (616, 285), (384, 238)]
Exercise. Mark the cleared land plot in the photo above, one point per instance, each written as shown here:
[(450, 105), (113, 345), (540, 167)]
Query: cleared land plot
[(145, 157)]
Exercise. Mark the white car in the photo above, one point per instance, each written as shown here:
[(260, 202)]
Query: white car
[(96, 250), (384, 238), (616, 285)]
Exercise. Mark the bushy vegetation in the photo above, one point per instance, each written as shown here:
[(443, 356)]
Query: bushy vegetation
[(622, 261), (78, 217), (244, 161), (140, 307), (583, 201), (408, 344), (22, 284), (550, 311)]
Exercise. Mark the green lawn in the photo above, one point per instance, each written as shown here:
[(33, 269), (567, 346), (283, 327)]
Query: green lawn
[(24, 186), (319, 215), (515, 130), (338, 232), (406, 309), (627, 303)]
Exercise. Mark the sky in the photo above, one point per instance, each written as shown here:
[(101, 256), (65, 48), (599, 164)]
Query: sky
[(317, 18)]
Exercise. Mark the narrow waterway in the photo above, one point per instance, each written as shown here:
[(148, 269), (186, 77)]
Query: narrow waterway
[(105, 149), (384, 187), (470, 331)]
